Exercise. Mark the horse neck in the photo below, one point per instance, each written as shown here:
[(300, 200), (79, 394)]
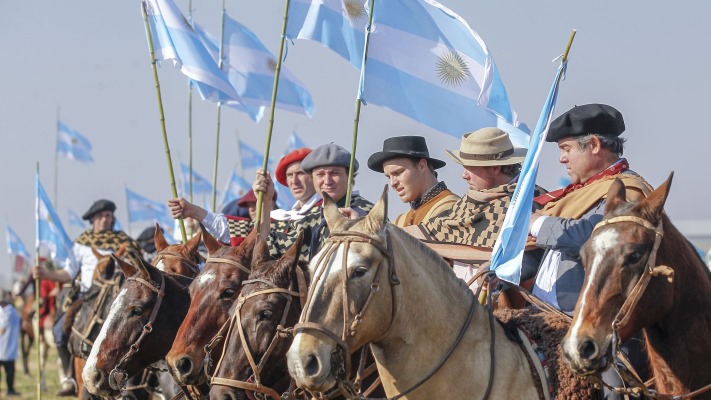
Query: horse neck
[(680, 342), (177, 300)]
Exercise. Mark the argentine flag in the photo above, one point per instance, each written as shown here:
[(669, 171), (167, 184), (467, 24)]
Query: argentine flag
[(295, 142), (175, 39), (75, 220), (72, 145), (200, 183), (251, 158), (50, 232), (235, 188), (141, 208), (15, 245)]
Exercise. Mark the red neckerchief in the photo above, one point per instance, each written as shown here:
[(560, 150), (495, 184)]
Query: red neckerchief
[(613, 169)]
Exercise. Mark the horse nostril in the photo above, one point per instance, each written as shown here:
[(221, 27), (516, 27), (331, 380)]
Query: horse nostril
[(185, 366), (97, 378), (312, 365), (587, 349)]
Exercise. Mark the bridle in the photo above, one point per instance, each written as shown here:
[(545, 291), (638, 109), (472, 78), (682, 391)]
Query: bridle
[(106, 287), (623, 367), (118, 375), (254, 382), (166, 255), (341, 362)]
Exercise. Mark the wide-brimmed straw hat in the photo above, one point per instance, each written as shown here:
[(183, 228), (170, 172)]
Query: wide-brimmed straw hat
[(487, 147)]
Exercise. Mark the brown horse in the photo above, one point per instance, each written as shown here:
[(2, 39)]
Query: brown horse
[(139, 329), (374, 283), (181, 258), (212, 294), (254, 355), (641, 273)]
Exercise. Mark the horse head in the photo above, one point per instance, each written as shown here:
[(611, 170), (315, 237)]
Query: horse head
[(620, 263), (254, 355), (137, 330), (212, 294), (181, 258), (350, 300)]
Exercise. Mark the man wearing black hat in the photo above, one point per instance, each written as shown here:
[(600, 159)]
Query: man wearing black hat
[(328, 167), (105, 240), (406, 163), (590, 145)]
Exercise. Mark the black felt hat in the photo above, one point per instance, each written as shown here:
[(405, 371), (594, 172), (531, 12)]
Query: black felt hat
[(586, 119), (97, 207), (403, 146)]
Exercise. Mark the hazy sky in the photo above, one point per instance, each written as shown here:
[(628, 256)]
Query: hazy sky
[(89, 58)]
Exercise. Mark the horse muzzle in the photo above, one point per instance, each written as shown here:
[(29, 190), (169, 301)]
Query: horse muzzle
[(309, 362), (585, 356), (97, 383)]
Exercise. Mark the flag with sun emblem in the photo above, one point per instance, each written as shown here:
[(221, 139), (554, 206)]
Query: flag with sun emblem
[(72, 145), (175, 39), (426, 62), (50, 232), (250, 68)]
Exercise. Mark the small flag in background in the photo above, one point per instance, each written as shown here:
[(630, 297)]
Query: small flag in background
[(14, 244), (75, 220), (72, 145), (235, 188), (295, 142), (175, 39), (251, 158), (50, 232), (141, 208), (200, 184), (117, 225)]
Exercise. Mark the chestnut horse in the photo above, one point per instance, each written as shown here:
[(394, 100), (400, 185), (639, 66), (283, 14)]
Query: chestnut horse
[(253, 358), (139, 329), (212, 294), (641, 273), (374, 283)]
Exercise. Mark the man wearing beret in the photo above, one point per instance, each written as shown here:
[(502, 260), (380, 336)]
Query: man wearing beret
[(103, 239), (406, 163), (590, 145), (328, 167)]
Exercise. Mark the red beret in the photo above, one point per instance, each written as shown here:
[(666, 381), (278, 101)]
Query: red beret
[(294, 156)]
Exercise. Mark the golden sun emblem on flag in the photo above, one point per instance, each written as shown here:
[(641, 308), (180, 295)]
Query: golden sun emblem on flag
[(355, 9), (452, 69), (271, 64), (187, 25)]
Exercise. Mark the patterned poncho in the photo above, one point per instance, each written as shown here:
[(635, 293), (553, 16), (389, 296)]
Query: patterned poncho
[(110, 240)]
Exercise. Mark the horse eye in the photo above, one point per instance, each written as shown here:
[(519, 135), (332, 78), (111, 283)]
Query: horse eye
[(136, 311), (227, 293), (265, 315), (358, 272), (634, 257)]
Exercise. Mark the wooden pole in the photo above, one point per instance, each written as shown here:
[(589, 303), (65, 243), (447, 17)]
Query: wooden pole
[(162, 115), (37, 290), (190, 119), (219, 111)]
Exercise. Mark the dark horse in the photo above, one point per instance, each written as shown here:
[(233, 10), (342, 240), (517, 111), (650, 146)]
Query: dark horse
[(212, 294), (641, 273), (254, 354), (142, 322)]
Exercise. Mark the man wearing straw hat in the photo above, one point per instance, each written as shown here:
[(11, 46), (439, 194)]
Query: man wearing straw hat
[(328, 167), (406, 163)]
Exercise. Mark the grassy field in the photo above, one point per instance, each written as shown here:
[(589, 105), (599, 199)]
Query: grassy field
[(27, 385)]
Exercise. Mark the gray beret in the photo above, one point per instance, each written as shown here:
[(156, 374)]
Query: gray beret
[(328, 155)]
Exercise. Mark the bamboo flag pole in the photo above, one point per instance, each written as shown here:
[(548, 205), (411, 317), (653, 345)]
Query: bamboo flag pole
[(570, 43), (190, 118), (219, 110), (37, 290), (359, 102), (56, 162), (265, 162), (162, 115)]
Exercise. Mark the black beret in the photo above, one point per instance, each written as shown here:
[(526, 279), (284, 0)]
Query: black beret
[(586, 119), (97, 207)]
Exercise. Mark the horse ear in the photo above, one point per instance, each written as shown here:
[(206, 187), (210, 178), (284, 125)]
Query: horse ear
[(334, 218), (260, 253), (616, 196), (283, 270), (653, 205), (159, 239), (128, 269), (211, 243), (194, 242), (378, 216)]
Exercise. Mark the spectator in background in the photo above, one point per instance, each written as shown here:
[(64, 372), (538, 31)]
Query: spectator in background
[(9, 338)]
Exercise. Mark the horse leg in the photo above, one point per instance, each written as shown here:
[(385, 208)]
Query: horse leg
[(78, 368), (26, 346)]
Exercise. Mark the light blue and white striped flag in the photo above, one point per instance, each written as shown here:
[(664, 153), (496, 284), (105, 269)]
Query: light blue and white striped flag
[(200, 184), (423, 61), (251, 158), (15, 245), (295, 142), (250, 67), (75, 219), (141, 208), (117, 225), (235, 188), (72, 145), (50, 232), (175, 39), (507, 255)]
